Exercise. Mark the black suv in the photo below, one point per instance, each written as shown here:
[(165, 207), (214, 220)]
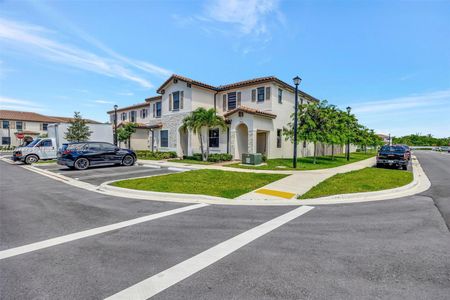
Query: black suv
[(393, 156)]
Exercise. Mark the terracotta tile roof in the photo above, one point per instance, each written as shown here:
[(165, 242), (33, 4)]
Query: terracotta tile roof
[(67, 120), (238, 84), (250, 111), (188, 80), (138, 105), (34, 117), (139, 125), (154, 98)]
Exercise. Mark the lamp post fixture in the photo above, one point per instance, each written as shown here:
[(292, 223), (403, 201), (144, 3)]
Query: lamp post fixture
[(348, 138), (115, 124), (297, 81)]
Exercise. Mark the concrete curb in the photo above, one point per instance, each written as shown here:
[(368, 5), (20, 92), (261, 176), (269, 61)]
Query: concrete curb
[(419, 184)]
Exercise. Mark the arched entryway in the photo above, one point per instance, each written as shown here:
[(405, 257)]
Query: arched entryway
[(184, 142), (241, 140)]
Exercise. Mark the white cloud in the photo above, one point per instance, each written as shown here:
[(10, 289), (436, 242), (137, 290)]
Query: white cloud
[(400, 104), (126, 94), (250, 16), (103, 102), (19, 104), (34, 40)]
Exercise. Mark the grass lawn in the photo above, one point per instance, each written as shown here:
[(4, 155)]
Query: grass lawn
[(46, 161), (306, 163), (364, 180), (190, 161), (208, 182)]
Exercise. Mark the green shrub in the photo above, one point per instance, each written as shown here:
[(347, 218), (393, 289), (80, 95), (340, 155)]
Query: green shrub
[(264, 158), (156, 155), (214, 157)]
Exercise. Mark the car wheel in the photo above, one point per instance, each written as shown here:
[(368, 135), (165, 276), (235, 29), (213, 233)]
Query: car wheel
[(379, 165), (128, 160), (31, 159), (81, 164)]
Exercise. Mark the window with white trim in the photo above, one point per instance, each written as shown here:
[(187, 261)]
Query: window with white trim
[(261, 94), (176, 100), (164, 138), (280, 96), (213, 138)]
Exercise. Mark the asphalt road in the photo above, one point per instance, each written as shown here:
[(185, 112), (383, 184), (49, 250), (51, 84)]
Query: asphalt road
[(387, 249)]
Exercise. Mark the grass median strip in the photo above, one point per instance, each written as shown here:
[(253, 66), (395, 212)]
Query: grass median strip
[(206, 182), (306, 163), (365, 180), (191, 161)]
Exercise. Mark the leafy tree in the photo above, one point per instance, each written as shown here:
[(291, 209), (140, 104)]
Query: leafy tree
[(199, 119), (78, 131), (421, 140), (125, 131)]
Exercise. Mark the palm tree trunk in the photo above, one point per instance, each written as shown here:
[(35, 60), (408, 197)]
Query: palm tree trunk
[(201, 145), (207, 149)]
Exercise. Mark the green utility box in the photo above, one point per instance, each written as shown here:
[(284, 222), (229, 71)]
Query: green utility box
[(252, 159)]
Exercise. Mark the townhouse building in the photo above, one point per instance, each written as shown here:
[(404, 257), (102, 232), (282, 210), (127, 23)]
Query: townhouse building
[(19, 125), (256, 111)]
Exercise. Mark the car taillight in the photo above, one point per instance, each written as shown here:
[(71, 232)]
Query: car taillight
[(67, 152)]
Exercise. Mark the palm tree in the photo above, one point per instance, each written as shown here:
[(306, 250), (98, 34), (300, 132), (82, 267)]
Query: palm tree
[(199, 119)]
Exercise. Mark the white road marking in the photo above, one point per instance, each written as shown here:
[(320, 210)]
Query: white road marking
[(90, 232), (165, 279)]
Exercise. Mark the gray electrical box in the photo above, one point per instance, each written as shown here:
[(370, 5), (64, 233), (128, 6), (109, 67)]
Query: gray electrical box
[(252, 159)]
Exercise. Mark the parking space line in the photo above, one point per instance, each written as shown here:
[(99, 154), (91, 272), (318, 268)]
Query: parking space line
[(118, 173), (90, 232), (165, 279)]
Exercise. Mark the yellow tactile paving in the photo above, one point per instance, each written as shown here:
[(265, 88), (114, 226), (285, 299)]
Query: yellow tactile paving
[(280, 194)]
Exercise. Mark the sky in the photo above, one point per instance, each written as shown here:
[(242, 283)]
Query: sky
[(388, 60)]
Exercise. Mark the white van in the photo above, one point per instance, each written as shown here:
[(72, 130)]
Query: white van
[(39, 149)]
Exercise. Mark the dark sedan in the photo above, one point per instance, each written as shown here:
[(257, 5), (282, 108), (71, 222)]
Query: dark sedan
[(82, 155), (393, 156)]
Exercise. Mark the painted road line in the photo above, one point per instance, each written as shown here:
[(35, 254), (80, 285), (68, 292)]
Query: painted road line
[(275, 193), (116, 174), (90, 232), (161, 281)]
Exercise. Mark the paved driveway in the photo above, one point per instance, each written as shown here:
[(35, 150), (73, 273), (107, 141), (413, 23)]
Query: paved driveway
[(388, 249), (98, 175)]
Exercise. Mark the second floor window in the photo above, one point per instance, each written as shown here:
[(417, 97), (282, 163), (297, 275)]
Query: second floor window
[(260, 94), (19, 125), (280, 96), (5, 124), (144, 113), (176, 101), (133, 116), (158, 109), (231, 100), (214, 138)]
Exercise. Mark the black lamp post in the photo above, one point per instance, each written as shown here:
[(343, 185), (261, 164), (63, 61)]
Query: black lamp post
[(348, 138), (115, 124), (297, 81)]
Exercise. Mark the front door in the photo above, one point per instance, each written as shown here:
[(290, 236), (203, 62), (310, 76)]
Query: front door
[(261, 142)]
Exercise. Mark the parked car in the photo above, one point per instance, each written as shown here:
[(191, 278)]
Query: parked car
[(408, 150), (39, 149), (82, 155), (393, 156)]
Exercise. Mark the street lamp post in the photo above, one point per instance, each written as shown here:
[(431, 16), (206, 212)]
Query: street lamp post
[(297, 81), (115, 124), (348, 138)]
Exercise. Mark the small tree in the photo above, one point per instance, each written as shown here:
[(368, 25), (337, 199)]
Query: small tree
[(199, 119), (78, 131), (124, 133)]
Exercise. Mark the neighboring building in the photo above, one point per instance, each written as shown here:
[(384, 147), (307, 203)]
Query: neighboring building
[(385, 137), (256, 111), (138, 114), (17, 125)]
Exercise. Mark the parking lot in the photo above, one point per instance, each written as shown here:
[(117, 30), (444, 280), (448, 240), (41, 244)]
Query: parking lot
[(99, 175)]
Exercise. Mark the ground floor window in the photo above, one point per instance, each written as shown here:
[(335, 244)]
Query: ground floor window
[(6, 140), (164, 138), (279, 133), (214, 138)]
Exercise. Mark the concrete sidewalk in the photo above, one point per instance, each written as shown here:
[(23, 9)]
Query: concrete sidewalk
[(302, 181)]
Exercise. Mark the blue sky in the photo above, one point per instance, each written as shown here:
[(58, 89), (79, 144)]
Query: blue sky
[(389, 60)]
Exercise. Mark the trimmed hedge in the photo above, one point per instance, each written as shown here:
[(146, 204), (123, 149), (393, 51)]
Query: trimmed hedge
[(7, 147), (156, 155), (214, 157)]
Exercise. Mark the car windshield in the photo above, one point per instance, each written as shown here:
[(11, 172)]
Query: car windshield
[(392, 149), (33, 143)]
